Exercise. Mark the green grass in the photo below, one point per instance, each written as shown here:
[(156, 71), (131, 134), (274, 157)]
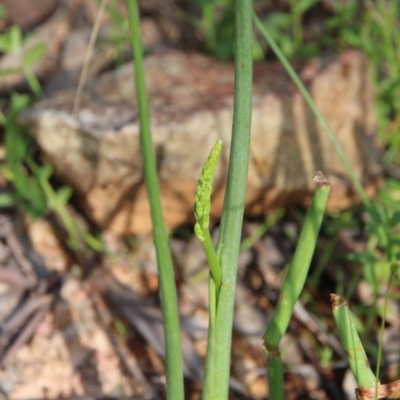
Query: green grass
[(168, 292)]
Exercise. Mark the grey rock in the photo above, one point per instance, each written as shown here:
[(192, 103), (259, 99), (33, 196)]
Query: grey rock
[(98, 153)]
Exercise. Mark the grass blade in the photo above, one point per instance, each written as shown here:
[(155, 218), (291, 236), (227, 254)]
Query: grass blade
[(216, 383), (169, 302), (293, 286), (351, 343)]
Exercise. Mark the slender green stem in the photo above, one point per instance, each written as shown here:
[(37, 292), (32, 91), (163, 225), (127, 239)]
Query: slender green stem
[(393, 272), (212, 261), (169, 303), (297, 273), (216, 381), (351, 343), (209, 25), (297, 26), (293, 285), (275, 375)]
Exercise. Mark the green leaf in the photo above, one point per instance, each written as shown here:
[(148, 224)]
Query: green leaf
[(7, 199), (20, 182), (33, 54), (395, 219), (287, 46), (37, 203), (19, 102), (16, 146), (3, 118), (301, 6), (94, 243), (33, 82), (277, 21), (15, 39), (64, 194), (44, 173), (5, 42), (309, 50), (9, 71), (352, 38)]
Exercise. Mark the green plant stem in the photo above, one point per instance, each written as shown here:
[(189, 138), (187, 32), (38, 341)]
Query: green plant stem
[(393, 272), (297, 26), (61, 211), (216, 382), (292, 288), (209, 25), (351, 343), (212, 260), (169, 303), (275, 375)]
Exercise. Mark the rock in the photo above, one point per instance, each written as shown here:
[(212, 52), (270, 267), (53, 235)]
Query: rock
[(105, 53), (48, 246), (28, 14), (98, 152)]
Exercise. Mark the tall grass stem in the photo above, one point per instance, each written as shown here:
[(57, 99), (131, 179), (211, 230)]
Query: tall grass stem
[(169, 303), (216, 382)]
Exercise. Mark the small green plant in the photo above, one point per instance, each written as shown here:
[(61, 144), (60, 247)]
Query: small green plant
[(15, 43), (286, 28), (120, 34), (217, 21), (19, 147), (31, 181), (217, 25), (298, 8)]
